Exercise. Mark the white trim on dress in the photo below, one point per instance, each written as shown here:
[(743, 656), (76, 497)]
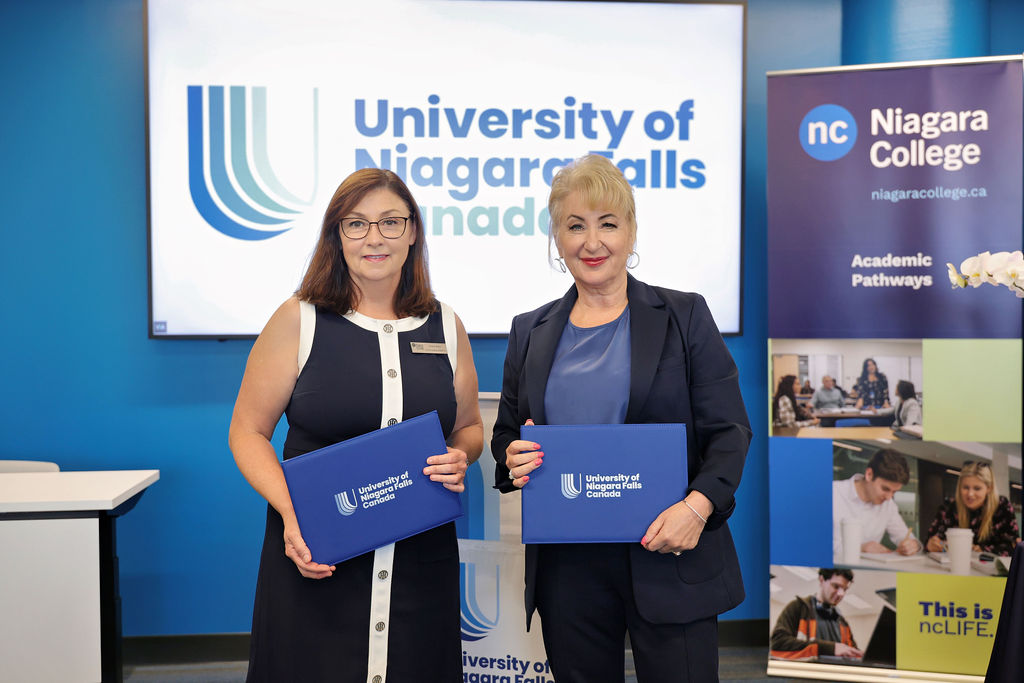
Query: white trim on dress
[(391, 414), (451, 336)]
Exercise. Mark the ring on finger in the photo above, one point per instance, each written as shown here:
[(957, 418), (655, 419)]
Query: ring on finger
[(677, 553)]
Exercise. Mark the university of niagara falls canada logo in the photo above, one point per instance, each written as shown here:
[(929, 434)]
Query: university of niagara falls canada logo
[(232, 184), (475, 624), (572, 485), (828, 132), (346, 506)]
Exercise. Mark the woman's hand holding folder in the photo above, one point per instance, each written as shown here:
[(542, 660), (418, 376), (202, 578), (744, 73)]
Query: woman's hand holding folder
[(296, 551), (449, 469), (521, 458)]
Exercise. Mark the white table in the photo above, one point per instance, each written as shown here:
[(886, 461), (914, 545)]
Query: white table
[(919, 563), (60, 616)]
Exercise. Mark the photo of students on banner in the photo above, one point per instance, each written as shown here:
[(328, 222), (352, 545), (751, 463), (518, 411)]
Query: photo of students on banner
[(875, 619), (977, 506), (874, 387), (906, 505), (833, 615)]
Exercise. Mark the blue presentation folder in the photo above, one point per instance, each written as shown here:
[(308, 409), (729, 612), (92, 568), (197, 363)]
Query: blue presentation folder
[(602, 483), (364, 493)]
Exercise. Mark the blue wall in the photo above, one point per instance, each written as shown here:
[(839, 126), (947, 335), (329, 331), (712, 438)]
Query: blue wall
[(82, 385)]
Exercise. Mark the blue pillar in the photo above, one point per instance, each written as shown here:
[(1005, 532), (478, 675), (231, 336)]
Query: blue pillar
[(904, 30)]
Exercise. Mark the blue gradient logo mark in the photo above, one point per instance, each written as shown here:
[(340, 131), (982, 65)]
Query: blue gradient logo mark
[(828, 132), (346, 506), (475, 624), (239, 204), (570, 489)]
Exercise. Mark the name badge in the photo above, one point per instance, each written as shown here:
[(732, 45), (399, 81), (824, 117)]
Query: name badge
[(429, 347)]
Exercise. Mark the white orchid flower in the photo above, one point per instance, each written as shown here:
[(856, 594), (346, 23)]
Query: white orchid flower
[(993, 264), (1010, 269), (955, 278), (1012, 273), (972, 269), (1001, 268)]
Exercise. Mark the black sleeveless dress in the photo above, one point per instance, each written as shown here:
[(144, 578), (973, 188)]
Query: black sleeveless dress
[(380, 618)]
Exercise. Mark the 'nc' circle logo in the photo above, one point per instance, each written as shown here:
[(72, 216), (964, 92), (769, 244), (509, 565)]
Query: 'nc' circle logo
[(828, 132)]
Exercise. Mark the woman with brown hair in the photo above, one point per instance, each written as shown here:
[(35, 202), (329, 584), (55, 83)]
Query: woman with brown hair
[(785, 410), (337, 359), (908, 409), (979, 507), (872, 387)]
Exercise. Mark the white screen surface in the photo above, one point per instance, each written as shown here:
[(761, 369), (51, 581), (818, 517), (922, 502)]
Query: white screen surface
[(258, 110)]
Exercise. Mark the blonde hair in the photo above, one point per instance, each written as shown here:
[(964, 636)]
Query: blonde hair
[(599, 183), (983, 472)]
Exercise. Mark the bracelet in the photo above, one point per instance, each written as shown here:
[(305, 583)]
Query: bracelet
[(694, 510)]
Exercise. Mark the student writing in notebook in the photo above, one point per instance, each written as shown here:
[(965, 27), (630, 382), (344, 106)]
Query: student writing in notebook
[(979, 507), (868, 498)]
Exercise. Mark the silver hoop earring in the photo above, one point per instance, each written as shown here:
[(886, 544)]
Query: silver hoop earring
[(635, 263), (561, 263)]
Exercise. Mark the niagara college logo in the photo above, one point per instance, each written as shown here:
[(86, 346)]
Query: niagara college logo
[(232, 184), (571, 489), (475, 624), (345, 505), (828, 132)]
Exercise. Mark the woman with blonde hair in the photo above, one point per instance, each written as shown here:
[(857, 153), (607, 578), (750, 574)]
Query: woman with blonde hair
[(615, 350), (979, 507)]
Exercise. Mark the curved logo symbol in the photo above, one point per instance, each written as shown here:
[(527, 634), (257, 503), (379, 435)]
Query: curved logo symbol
[(475, 624), (570, 488), (230, 193), (346, 506), (828, 132)]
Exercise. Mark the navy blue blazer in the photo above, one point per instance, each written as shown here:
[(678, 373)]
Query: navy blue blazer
[(681, 371)]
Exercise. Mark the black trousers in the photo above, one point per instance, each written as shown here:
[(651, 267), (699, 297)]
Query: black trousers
[(586, 606)]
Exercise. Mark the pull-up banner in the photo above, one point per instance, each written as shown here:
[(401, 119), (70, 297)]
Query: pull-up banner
[(877, 177), (893, 393)]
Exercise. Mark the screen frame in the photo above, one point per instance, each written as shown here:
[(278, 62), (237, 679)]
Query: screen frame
[(473, 335)]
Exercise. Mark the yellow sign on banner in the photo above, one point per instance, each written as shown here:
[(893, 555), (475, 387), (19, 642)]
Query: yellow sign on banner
[(946, 623)]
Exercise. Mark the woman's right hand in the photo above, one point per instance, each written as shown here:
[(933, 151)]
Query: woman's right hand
[(296, 551), (521, 458), (934, 544)]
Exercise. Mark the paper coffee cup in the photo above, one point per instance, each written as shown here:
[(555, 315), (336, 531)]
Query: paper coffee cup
[(851, 529), (960, 542)]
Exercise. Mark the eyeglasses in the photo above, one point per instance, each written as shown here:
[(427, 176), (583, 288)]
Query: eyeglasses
[(391, 227), (977, 464)]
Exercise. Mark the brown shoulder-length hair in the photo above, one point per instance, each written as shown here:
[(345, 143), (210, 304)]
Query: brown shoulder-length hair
[(327, 282)]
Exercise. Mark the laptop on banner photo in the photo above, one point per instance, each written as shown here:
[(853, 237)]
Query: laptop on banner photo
[(602, 483), (366, 492)]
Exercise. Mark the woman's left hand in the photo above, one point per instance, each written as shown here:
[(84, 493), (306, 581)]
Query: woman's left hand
[(449, 469), (678, 528)]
